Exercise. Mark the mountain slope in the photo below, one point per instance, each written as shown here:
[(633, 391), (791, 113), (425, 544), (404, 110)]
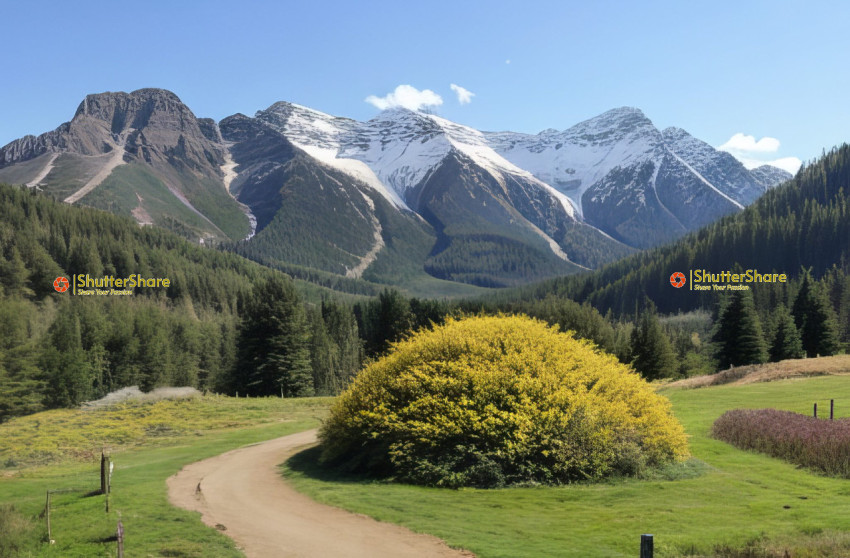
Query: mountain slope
[(310, 213), (496, 224), (140, 154), (636, 183), (803, 223), (402, 198)]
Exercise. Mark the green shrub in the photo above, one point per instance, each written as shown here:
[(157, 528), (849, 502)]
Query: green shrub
[(487, 401)]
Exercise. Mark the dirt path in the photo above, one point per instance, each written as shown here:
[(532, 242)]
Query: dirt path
[(242, 491)]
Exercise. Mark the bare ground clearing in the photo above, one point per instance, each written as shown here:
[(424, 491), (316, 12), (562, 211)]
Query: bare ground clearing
[(799, 368)]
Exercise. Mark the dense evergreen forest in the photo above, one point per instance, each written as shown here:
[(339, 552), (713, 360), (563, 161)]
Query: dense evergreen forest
[(230, 325), (57, 349)]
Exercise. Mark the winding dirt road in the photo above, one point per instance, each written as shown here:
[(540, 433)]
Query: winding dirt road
[(243, 493)]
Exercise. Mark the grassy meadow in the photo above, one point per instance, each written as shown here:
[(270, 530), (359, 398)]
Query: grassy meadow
[(725, 502), (149, 442)]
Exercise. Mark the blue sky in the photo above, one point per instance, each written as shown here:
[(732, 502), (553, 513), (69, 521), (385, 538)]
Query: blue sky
[(775, 70)]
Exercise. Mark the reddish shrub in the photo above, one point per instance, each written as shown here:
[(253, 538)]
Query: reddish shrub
[(819, 444)]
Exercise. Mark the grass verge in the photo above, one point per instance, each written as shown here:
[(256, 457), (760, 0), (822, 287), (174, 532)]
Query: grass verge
[(202, 428), (744, 504)]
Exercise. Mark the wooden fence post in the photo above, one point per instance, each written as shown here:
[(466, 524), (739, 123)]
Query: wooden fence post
[(831, 409), (816, 410), (120, 538), (646, 546), (102, 473), (106, 467), (47, 516)]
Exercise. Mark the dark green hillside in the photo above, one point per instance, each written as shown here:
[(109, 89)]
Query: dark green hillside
[(482, 239), (312, 225), (803, 223), (316, 223), (57, 349)]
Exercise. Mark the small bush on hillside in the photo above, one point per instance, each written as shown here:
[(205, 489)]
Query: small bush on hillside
[(489, 401), (823, 445)]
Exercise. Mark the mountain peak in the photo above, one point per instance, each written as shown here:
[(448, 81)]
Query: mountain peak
[(623, 112), (101, 105), (621, 117)]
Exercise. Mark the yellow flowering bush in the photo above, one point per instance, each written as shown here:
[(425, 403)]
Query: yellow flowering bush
[(488, 401)]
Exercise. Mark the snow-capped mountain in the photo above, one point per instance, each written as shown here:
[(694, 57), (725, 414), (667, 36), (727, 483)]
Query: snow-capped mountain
[(398, 148), (479, 204), (638, 184), (393, 198)]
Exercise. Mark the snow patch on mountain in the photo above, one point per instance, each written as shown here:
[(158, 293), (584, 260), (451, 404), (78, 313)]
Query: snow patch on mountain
[(575, 159), (321, 136), (400, 146), (393, 152)]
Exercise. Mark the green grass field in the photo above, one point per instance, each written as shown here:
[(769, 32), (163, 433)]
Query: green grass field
[(740, 500), (149, 443), (725, 502)]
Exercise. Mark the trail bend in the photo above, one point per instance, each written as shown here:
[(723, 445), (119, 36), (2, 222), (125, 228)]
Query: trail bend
[(243, 492)]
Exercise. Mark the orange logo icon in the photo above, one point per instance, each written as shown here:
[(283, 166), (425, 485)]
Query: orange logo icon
[(678, 279), (61, 284)]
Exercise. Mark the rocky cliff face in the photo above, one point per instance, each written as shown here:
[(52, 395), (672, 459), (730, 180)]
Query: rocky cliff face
[(140, 153), (148, 123), (768, 176)]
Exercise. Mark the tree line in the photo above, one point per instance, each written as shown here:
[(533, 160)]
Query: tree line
[(205, 330), (231, 325), (802, 224)]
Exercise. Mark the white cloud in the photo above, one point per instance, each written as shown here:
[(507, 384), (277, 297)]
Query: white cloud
[(752, 153), (508, 61), (748, 144), (464, 96), (406, 96)]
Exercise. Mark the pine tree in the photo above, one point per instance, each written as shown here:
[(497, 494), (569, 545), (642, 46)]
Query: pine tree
[(652, 354), (14, 275), (785, 341), (66, 367), (739, 335), (815, 319), (385, 320), (274, 355), (342, 329), (324, 356)]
